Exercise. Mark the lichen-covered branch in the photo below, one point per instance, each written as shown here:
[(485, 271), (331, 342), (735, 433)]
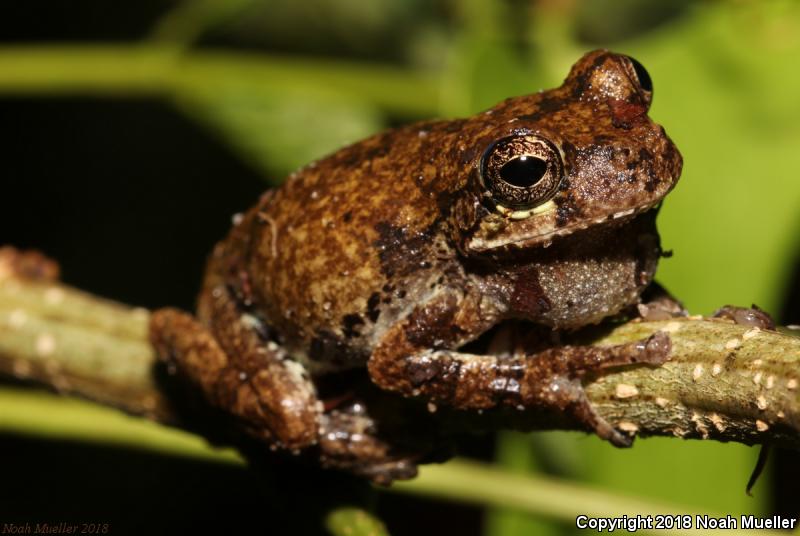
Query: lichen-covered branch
[(723, 381)]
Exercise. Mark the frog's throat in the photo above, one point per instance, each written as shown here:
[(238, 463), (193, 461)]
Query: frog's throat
[(544, 239)]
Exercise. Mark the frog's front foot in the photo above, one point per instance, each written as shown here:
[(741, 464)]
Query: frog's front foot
[(556, 378), (548, 381), (658, 304), (746, 316)]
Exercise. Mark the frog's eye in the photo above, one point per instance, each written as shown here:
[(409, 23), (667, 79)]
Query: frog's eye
[(521, 172), (639, 76)]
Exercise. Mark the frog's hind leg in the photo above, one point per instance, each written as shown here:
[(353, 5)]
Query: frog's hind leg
[(274, 400), (268, 393)]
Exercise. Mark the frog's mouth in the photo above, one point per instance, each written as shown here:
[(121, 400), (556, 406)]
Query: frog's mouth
[(541, 228)]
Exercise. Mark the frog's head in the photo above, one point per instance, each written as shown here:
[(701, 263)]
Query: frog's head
[(583, 155)]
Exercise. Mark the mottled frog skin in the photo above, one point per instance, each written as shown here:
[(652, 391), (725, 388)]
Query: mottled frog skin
[(394, 253)]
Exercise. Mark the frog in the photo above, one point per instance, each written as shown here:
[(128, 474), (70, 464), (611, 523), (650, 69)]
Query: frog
[(393, 256)]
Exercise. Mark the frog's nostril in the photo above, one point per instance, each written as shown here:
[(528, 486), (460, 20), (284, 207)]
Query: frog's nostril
[(641, 73)]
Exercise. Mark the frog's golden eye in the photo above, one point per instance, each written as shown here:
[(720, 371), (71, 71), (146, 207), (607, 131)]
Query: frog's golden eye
[(521, 172), (639, 76)]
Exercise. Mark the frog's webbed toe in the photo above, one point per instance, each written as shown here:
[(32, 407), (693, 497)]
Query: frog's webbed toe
[(348, 442), (658, 304), (746, 316)]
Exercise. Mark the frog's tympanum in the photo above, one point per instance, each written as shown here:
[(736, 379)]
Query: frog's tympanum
[(395, 257)]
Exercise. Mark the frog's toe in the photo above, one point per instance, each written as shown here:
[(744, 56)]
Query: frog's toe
[(753, 316)]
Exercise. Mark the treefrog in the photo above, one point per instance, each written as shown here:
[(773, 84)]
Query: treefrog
[(397, 255)]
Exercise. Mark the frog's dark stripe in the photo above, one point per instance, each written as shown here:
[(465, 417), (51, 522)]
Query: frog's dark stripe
[(546, 106), (567, 211), (528, 299), (402, 252), (373, 312)]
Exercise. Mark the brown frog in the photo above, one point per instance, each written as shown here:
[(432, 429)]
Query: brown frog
[(396, 253)]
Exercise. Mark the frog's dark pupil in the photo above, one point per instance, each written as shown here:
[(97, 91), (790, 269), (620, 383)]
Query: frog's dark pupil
[(642, 74), (523, 171)]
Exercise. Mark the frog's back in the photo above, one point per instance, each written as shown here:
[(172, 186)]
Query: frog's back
[(332, 257)]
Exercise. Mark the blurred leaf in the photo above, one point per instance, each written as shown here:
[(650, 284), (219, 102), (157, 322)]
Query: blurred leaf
[(277, 131), (375, 30), (186, 22), (515, 455), (607, 21)]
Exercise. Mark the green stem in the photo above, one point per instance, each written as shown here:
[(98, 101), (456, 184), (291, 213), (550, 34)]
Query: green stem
[(476, 483), (164, 70)]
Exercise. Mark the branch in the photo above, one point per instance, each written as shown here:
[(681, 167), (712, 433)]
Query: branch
[(723, 381)]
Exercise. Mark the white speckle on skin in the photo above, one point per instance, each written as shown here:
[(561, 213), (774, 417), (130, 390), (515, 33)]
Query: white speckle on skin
[(780, 414), (697, 372), (761, 426), (623, 213), (54, 296), (750, 333), (17, 319), (432, 407), (242, 376), (237, 218), (791, 384), (757, 362), (732, 344), (627, 426), (672, 327), (761, 403), (45, 345), (625, 390), (662, 402), (716, 370), (770, 381), (757, 377)]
